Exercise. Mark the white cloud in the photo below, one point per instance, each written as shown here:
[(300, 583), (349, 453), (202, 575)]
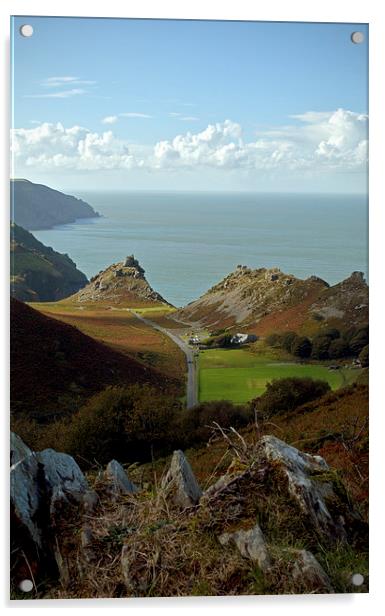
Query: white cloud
[(110, 120), (60, 94), (189, 118), (134, 114), (56, 82), (52, 146), (327, 140), (319, 142)]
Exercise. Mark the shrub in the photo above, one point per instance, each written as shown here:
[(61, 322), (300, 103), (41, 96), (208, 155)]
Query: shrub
[(301, 347), (126, 423), (364, 356), (195, 425), (274, 340), (286, 394), (359, 340), (338, 348), (287, 340), (333, 333), (320, 347)]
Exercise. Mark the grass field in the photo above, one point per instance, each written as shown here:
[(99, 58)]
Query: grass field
[(239, 375)]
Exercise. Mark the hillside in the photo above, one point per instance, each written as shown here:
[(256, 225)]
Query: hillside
[(120, 284), (39, 273), (35, 206), (54, 365), (268, 300)]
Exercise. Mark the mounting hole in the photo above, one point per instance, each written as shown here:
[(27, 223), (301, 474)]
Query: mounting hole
[(26, 585), (357, 37), (357, 579), (26, 30)]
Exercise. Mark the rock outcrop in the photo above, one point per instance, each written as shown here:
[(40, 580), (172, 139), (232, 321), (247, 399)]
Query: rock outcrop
[(116, 480), (120, 284), (47, 489), (268, 300), (180, 483), (251, 544)]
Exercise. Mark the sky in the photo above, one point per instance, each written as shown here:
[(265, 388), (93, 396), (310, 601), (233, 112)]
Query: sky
[(120, 104)]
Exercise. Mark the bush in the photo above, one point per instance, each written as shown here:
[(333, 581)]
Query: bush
[(274, 340), (301, 347), (126, 423), (195, 425), (364, 356), (287, 340), (286, 394), (320, 347), (338, 348), (359, 340), (333, 333)]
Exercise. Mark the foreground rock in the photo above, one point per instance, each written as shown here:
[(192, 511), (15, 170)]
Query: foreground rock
[(18, 449), (308, 481), (251, 544), (48, 489), (117, 481), (183, 489), (307, 573)]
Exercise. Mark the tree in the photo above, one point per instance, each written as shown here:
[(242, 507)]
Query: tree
[(320, 347), (301, 347), (338, 348), (364, 356), (332, 332), (286, 394), (287, 340), (359, 340)]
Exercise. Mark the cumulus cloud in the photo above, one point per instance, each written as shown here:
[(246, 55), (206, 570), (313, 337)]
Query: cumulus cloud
[(335, 139), (50, 146), (316, 142)]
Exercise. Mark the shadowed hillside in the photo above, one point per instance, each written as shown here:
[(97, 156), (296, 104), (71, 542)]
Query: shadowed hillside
[(39, 273), (35, 206), (54, 366)]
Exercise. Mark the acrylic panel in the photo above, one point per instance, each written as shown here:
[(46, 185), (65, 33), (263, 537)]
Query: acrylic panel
[(189, 308)]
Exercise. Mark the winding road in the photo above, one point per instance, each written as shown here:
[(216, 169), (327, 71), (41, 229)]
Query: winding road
[(192, 377)]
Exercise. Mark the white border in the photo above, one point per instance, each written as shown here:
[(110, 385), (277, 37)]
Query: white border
[(352, 11)]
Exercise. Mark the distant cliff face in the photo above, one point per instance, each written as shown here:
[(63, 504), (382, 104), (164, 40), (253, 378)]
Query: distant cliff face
[(38, 273), (268, 300), (122, 283), (35, 206)]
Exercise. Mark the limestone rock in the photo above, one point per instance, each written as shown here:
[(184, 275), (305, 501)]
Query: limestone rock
[(307, 572), (18, 449), (308, 483), (251, 544), (117, 480), (184, 490), (26, 493)]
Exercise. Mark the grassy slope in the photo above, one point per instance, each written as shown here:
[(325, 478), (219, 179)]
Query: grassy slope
[(239, 375), (54, 367), (122, 331)]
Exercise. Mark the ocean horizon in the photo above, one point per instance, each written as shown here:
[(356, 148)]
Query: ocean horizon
[(188, 241)]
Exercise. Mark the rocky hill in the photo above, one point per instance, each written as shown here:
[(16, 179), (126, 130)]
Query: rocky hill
[(267, 300), (54, 366), (123, 284), (35, 206), (39, 273)]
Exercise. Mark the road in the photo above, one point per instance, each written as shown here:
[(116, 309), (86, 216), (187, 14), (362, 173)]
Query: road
[(192, 377)]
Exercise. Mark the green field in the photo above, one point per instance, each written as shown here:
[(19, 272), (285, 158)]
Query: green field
[(239, 375)]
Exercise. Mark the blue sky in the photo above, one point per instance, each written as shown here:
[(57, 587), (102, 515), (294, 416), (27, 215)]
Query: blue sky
[(159, 104)]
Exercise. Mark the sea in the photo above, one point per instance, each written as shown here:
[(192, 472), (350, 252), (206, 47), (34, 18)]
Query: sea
[(187, 242)]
